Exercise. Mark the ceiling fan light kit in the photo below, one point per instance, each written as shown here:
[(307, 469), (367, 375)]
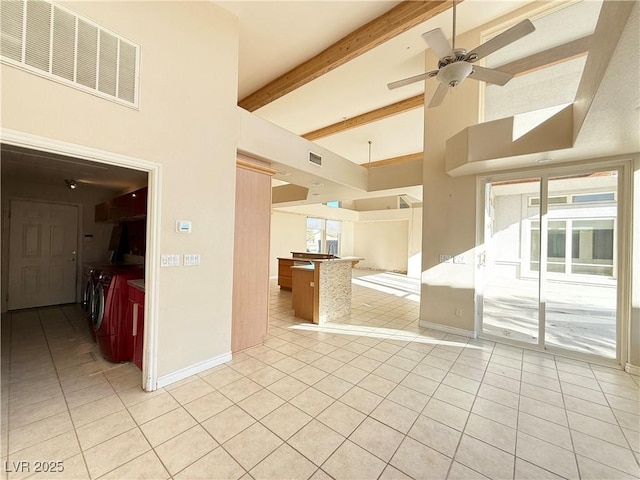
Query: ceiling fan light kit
[(455, 64)]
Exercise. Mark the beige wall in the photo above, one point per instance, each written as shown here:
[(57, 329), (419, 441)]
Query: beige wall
[(188, 122), (634, 330), (382, 244), (288, 234)]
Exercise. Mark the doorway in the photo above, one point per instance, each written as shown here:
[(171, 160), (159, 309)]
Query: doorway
[(550, 267), (43, 252)]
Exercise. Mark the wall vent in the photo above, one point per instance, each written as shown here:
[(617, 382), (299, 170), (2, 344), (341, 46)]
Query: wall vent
[(50, 40), (315, 159)]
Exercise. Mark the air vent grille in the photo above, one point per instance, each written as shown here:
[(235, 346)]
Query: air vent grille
[(51, 41), (315, 159)]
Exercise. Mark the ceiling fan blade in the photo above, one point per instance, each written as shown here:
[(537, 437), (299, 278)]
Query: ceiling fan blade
[(516, 32), (438, 97), (438, 43), (407, 81), (490, 75)]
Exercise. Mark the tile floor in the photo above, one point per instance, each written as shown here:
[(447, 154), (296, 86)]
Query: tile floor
[(372, 396)]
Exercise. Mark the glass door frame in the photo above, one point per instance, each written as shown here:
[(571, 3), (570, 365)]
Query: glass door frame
[(624, 167)]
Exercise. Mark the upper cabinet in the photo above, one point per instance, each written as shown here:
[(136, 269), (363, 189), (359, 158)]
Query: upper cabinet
[(128, 207)]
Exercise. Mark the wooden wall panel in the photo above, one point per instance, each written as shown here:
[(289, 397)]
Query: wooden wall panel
[(251, 258)]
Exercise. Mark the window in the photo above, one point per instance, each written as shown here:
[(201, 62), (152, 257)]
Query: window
[(323, 236)]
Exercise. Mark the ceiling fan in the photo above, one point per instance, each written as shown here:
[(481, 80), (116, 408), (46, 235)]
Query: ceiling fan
[(456, 64)]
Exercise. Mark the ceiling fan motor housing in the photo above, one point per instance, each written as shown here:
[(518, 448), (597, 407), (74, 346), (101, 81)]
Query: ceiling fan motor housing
[(453, 74)]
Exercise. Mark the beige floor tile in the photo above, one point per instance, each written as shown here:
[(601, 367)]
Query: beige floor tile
[(454, 397), (461, 383), (482, 457), (248, 366), (124, 382), (542, 394), (217, 464), (36, 432), (312, 401), (419, 461), (191, 391), (287, 387), (252, 445), (240, 389), (154, 407), (596, 428), (545, 430), (628, 420), (500, 381), (528, 471), (445, 413), (460, 472), (491, 432), (590, 409), (419, 383), (362, 400), (222, 377), (378, 385), (351, 462), (28, 396), (104, 428), (350, 373), (592, 470), (266, 376), (430, 372), (21, 416), (364, 363), (328, 364), (436, 435), (305, 355), (135, 395), (391, 373), (309, 374), (88, 395), (605, 453), (167, 426), (145, 467), (207, 406), (341, 418), (377, 438), (261, 403), (584, 393), (316, 441), (288, 365), (286, 420), (394, 415), (623, 404), (498, 395), (59, 448), (333, 386), (392, 473), (633, 438), (494, 411), (228, 423), (185, 448), (284, 463), (547, 456), (115, 452), (73, 468)]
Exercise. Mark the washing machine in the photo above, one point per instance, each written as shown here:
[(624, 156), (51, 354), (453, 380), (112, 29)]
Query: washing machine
[(110, 310)]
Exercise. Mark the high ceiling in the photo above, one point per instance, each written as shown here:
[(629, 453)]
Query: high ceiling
[(277, 36)]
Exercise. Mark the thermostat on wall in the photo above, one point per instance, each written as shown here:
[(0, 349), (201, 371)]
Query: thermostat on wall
[(183, 226)]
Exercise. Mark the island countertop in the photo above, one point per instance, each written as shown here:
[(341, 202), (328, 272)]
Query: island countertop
[(139, 284)]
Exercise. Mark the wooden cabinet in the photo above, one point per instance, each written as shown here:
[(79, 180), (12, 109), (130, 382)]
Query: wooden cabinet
[(128, 207), (135, 318), (297, 258), (250, 314)]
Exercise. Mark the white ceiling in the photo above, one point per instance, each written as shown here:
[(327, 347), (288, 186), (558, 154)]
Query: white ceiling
[(276, 36)]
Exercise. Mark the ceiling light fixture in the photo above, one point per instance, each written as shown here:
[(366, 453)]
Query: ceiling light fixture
[(283, 174), (71, 184), (317, 184), (544, 160), (370, 142)]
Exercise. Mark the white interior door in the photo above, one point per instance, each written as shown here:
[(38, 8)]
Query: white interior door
[(43, 248)]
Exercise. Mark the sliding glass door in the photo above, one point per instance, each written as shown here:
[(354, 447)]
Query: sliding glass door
[(549, 272)]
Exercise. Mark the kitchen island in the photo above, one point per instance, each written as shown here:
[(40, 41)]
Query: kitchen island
[(321, 290)]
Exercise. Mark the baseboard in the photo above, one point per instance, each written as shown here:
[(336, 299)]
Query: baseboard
[(632, 369), (445, 328), (170, 378)]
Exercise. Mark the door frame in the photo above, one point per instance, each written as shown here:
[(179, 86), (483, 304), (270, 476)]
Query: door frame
[(624, 165), (154, 206), (6, 223)]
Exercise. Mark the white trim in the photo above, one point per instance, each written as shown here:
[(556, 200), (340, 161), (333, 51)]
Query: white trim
[(152, 257), (446, 328), (632, 369), (178, 375)]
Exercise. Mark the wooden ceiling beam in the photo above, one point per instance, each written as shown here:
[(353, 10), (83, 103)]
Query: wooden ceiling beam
[(547, 58), (400, 18), (369, 117)]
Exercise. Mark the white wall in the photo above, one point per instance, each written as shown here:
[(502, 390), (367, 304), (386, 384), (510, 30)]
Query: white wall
[(188, 123), (288, 234)]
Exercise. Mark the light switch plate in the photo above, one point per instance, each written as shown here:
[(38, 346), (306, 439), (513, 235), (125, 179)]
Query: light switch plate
[(170, 260), (191, 259)]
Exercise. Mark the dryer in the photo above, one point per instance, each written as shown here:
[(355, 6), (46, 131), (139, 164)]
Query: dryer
[(109, 312)]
